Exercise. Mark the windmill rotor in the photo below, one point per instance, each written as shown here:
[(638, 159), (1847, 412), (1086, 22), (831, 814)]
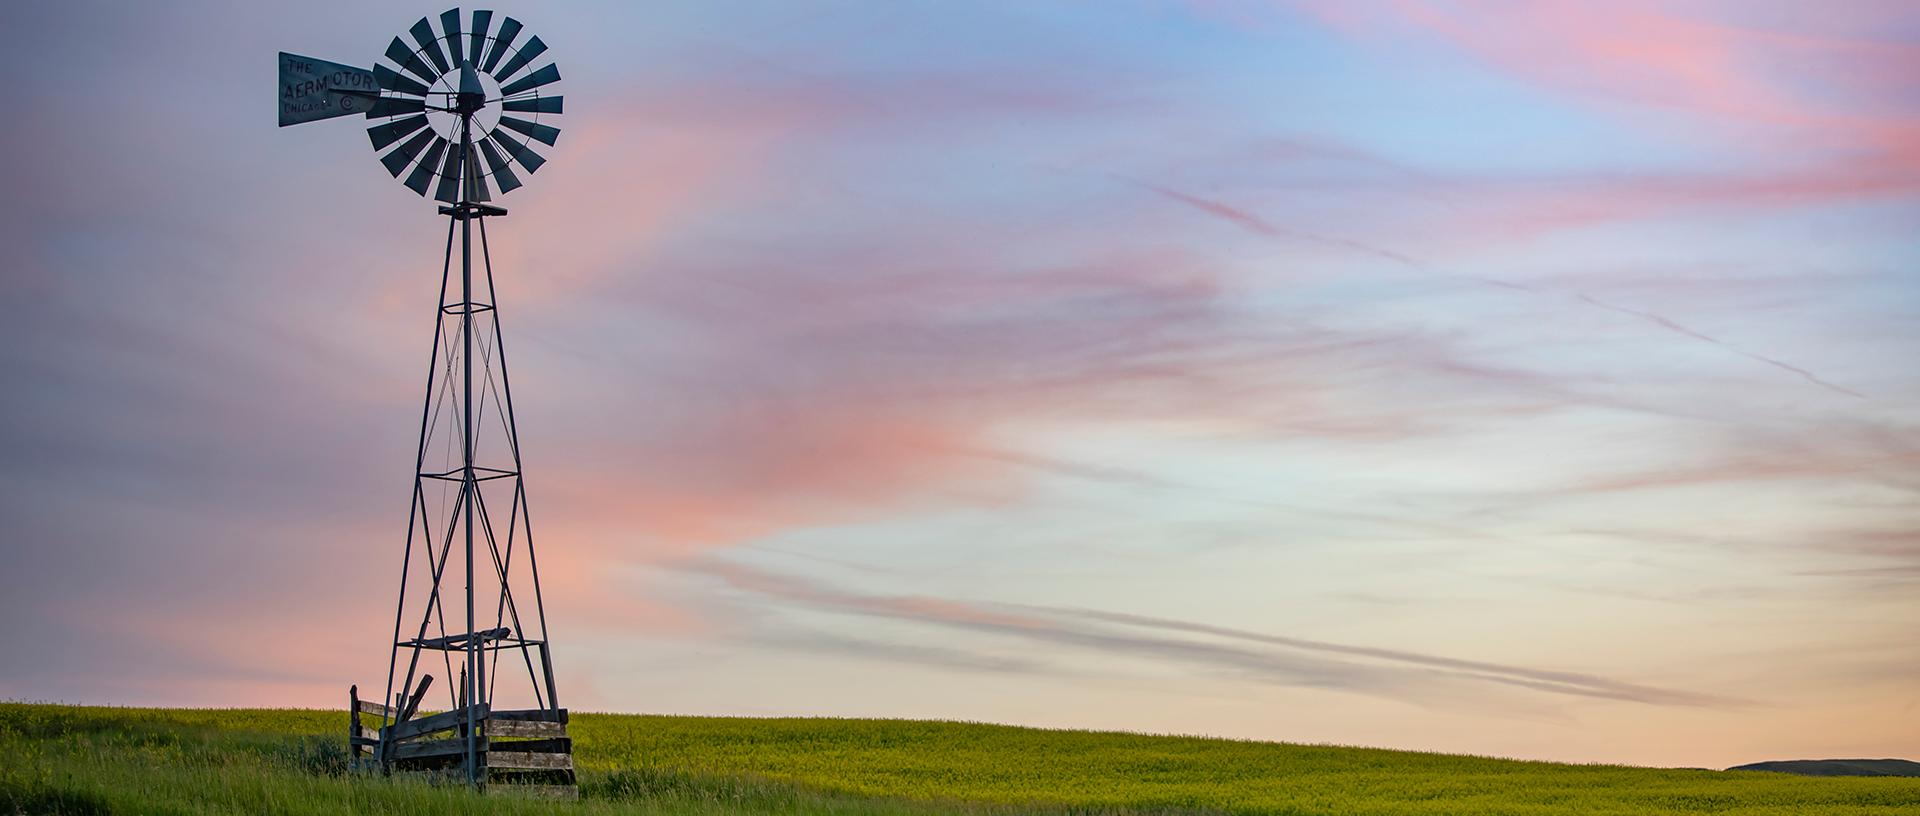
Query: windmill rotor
[(461, 106)]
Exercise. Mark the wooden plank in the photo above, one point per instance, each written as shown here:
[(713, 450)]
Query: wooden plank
[(358, 742), (532, 715), (560, 745), (455, 643), (368, 733), (421, 749), (453, 763), (523, 759), (413, 704), (376, 709), (413, 729), (496, 726)]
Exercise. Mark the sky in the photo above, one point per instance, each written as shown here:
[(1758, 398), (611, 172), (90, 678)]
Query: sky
[(1525, 378)]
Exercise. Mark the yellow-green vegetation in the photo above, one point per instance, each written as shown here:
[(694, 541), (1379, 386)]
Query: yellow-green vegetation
[(161, 762), (976, 762), (119, 760)]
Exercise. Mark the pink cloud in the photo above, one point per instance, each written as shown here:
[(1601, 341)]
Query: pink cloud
[(1255, 224), (1820, 95), (1724, 58), (879, 390), (625, 179)]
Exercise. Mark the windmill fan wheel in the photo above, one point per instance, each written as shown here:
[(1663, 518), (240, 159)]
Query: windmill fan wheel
[(460, 108)]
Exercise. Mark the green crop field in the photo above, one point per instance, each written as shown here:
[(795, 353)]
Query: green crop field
[(69, 759)]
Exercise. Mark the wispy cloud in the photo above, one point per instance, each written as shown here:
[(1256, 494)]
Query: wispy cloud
[(1897, 551), (1884, 455), (1259, 226), (1392, 673)]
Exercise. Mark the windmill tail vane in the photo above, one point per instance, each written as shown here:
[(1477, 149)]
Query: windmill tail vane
[(455, 108)]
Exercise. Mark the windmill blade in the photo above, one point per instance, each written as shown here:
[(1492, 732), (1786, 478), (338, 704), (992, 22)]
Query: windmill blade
[(544, 76), (409, 61), (403, 155), (392, 80), (391, 132), (430, 45), (534, 48), (450, 23), (544, 133), (518, 151), (481, 19), (502, 169), (395, 106), (423, 172), (538, 104), (449, 189), (509, 30)]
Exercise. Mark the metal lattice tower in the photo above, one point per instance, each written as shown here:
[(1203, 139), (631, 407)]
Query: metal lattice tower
[(469, 603)]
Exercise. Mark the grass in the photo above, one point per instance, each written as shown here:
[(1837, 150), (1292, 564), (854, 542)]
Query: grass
[(91, 760)]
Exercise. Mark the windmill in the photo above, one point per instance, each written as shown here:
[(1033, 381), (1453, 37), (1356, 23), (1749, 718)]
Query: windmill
[(456, 111)]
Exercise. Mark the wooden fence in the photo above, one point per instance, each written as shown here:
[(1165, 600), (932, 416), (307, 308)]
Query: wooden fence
[(515, 751)]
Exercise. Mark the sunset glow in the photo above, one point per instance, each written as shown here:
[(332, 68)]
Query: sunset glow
[(1530, 379)]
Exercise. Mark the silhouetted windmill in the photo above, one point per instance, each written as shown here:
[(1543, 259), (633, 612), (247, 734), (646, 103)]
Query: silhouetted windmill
[(446, 107)]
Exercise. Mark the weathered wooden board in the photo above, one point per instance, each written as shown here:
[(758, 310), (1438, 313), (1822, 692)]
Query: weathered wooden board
[(496, 726), (558, 745), (458, 747), (523, 759), (436, 748), (453, 762), (376, 709), (413, 729), (357, 746), (363, 740), (454, 643), (412, 704), (532, 715)]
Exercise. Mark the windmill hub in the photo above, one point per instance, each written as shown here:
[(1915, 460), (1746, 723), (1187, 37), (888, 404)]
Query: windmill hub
[(472, 96), (464, 94)]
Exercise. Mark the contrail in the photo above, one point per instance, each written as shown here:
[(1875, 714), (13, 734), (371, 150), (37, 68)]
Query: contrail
[(1253, 223), (1730, 347)]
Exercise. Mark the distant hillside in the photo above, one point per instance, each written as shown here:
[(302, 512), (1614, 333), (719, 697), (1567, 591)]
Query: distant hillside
[(1837, 767)]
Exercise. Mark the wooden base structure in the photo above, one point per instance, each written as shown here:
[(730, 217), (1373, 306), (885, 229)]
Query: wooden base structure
[(526, 752)]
